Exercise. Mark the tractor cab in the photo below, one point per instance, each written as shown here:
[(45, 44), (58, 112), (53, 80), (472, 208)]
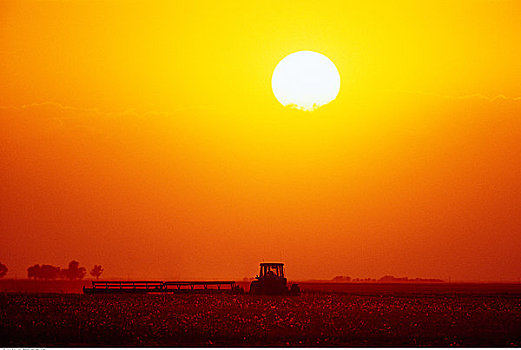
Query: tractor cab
[(271, 281), (271, 270)]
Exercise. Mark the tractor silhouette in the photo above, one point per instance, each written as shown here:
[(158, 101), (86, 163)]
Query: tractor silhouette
[(271, 281)]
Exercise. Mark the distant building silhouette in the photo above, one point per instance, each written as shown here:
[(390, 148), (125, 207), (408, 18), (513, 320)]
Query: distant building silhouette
[(74, 271)]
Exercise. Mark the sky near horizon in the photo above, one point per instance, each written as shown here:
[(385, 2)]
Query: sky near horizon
[(144, 136)]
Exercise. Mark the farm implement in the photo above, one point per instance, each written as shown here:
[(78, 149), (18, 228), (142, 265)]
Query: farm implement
[(270, 281), (145, 287)]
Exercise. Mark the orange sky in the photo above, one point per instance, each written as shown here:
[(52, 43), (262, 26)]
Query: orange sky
[(144, 136)]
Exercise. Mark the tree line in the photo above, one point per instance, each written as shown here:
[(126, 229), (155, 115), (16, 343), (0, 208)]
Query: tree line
[(73, 272), (387, 278), (48, 272)]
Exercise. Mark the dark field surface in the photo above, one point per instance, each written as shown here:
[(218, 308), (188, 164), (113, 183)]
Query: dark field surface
[(313, 319), (417, 289)]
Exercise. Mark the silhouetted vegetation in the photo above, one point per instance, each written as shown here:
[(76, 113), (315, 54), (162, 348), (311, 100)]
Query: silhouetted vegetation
[(49, 272), (385, 279), (96, 271), (341, 279), (393, 279), (364, 280), (33, 272), (44, 272), (3, 270)]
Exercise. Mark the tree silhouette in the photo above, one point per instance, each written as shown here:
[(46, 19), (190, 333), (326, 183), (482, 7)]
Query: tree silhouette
[(33, 271), (342, 279), (3, 270), (49, 272), (96, 271), (74, 271), (46, 272)]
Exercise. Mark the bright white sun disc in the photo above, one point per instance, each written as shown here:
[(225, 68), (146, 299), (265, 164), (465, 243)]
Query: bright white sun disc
[(305, 80)]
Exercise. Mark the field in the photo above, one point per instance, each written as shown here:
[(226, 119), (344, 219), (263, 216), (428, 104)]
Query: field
[(456, 317)]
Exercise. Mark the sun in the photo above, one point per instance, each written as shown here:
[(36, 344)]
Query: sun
[(305, 80)]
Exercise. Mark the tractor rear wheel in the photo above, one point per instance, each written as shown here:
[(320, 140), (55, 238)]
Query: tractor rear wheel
[(295, 290)]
